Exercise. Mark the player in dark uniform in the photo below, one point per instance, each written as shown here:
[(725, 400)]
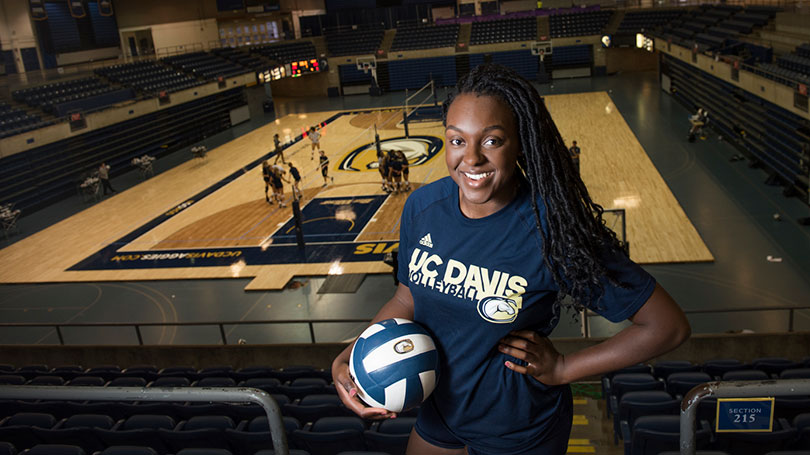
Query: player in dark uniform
[(382, 166), (324, 165), (405, 170), (296, 180), (266, 171), (394, 171), (277, 179), (277, 149), (488, 258)]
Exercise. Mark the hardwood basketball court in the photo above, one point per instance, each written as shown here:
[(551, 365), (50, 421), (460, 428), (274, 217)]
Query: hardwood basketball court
[(207, 218)]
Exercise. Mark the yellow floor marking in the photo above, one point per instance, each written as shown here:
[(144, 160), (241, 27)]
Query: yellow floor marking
[(580, 401), (580, 420), (579, 442), (580, 449)]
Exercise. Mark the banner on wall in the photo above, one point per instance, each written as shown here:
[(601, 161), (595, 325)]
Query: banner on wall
[(77, 8), (38, 12), (105, 7)]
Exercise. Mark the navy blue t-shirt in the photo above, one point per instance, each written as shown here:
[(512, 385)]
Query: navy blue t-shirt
[(475, 280)]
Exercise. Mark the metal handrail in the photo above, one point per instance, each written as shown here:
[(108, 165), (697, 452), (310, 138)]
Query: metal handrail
[(731, 389), (197, 394)]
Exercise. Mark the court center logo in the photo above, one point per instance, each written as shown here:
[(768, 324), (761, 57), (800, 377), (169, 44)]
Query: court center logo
[(418, 149)]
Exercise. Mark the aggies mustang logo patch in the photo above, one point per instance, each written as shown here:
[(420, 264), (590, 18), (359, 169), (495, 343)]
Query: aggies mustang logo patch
[(418, 149)]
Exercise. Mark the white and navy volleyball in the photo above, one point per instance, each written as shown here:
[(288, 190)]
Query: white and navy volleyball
[(394, 364)]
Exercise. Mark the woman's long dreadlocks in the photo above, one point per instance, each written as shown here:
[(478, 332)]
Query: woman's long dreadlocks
[(577, 237)]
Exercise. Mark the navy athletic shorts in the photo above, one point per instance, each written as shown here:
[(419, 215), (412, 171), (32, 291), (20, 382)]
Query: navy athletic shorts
[(432, 428)]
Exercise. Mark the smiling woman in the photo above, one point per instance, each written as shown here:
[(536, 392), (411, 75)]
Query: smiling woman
[(486, 257)]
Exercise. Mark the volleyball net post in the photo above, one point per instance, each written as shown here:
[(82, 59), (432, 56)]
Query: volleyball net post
[(417, 107)]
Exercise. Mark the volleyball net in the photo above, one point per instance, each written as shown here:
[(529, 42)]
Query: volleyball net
[(421, 106)]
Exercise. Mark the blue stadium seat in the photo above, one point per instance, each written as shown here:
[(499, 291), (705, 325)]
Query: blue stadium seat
[(795, 373), (107, 372), (215, 371), (802, 424), (311, 407), (250, 437), (214, 381), (745, 375), (626, 382), (185, 371), (331, 435), (679, 384), (390, 436), (663, 369), (204, 451), (139, 430), (67, 372), (716, 367), (128, 450), (170, 381), (256, 371), (54, 449), (652, 435), (293, 372), (47, 380), (30, 371), (302, 387), (269, 385), (641, 403), (18, 429), (198, 432), (12, 379), (78, 430), (292, 452), (87, 381), (748, 443), (774, 365), (127, 381)]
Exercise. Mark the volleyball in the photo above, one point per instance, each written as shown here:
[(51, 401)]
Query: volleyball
[(394, 364)]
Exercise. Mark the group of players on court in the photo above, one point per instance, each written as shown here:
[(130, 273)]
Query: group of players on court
[(274, 175), (392, 165)]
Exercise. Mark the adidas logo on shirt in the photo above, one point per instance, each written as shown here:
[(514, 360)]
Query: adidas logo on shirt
[(426, 241)]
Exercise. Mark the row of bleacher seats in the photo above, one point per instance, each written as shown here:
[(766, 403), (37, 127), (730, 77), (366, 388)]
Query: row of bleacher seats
[(16, 121), (425, 37), (354, 42), (636, 21), (150, 77), (49, 97), (504, 31), (644, 402), (286, 53), (240, 57), (770, 134), (205, 65), (162, 434), (578, 24), (47, 173), (152, 372), (660, 435), (714, 27)]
